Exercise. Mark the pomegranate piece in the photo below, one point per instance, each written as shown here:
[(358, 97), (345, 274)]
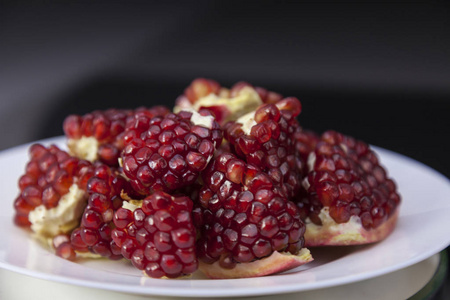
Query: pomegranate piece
[(51, 176), (158, 237), (349, 198), (94, 233), (168, 153), (225, 104), (242, 217), (265, 138), (99, 135)]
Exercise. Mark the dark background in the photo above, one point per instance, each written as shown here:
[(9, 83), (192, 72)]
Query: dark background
[(379, 71)]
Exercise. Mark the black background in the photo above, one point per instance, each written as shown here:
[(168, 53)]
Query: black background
[(379, 71)]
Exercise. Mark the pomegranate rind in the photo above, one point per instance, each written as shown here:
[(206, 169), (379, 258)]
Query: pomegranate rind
[(331, 233), (275, 263)]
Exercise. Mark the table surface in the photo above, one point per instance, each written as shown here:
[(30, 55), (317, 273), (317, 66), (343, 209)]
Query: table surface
[(401, 284)]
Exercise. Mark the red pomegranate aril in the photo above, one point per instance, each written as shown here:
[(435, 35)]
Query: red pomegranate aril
[(66, 251), (201, 87)]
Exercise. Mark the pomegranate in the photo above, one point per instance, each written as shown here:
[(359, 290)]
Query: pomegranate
[(243, 218), (349, 198), (229, 184)]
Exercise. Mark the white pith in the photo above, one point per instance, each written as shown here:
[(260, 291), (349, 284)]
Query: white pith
[(247, 121), (132, 205), (198, 119), (311, 161), (84, 148), (345, 230), (60, 219), (247, 100)]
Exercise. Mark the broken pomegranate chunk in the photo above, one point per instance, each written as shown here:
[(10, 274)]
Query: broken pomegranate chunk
[(347, 185)]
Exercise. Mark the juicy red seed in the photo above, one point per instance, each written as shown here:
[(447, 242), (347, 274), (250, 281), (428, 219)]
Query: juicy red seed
[(261, 248), (128, 248), (267, 112), (21, 220), (327, 192), (26, 180), (66, 251), (91, 219), (97, 185), (201, 87), (32, 195), (50, 197), (122, 218), (89, 236), (109, 154), (21, 206), (291, 104)]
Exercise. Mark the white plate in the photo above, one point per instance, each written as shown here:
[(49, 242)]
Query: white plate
[(423, 230)]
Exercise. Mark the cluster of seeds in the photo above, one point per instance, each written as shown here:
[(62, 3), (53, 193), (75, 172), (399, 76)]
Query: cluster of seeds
[(168, 153), (345, 176), (107, 128), (270, 145), (48, 175), (159, 237), (94, 233), (242, 215)]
